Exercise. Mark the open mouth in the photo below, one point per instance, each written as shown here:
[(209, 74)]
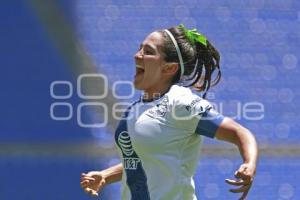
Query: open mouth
[(139, 69)]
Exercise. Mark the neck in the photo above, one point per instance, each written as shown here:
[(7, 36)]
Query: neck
[(152, 94)]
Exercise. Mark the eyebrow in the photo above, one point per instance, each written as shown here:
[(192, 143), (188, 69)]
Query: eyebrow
[(148, 45)]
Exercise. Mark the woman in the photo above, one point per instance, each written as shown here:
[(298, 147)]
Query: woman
[(159, 136)]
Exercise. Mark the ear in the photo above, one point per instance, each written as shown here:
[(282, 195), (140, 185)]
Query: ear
[(170, 69)]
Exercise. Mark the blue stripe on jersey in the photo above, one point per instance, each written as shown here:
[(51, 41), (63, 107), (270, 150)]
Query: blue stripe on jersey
[(136, 176), (209, 123)]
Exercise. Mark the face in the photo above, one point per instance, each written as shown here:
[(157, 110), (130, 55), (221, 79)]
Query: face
[(150, 62)]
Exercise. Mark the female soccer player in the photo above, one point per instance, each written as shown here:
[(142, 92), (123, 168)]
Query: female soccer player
[(158, 137)]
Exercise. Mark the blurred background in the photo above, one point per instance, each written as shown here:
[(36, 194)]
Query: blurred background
[(66, 66)]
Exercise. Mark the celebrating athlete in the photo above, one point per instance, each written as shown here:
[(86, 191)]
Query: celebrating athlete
[(159, 136)]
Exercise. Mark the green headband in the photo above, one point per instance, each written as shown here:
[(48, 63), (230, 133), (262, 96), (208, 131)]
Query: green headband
[(193, 35)]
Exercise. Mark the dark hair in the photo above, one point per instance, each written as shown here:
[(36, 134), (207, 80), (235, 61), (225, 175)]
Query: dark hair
[(208, 60)]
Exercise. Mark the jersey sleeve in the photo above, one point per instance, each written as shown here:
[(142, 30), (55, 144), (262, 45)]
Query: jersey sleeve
[(209, 123), (196, 115)]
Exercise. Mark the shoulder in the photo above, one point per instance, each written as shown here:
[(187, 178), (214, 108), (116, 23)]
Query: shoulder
[(177, 92), (183, 97)]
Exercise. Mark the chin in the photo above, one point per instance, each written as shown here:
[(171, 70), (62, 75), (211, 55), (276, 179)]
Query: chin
[(137, 86), (140, 85)]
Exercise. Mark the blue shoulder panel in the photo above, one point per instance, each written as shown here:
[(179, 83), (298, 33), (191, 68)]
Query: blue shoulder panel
[(209, 123)]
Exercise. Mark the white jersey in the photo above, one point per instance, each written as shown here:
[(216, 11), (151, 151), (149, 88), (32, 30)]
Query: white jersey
[(159, 143)]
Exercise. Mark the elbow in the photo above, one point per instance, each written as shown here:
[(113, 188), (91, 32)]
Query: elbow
[(234, 133), (244, 136)]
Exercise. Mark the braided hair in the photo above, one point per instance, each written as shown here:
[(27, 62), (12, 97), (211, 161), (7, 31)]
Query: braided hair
[(199, 60)]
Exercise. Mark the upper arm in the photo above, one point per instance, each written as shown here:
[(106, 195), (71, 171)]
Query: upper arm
[(228, 129), (209, 123)]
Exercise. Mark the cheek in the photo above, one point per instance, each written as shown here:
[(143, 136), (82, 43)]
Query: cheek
[(153, 67), (152, 73), (152, 70)]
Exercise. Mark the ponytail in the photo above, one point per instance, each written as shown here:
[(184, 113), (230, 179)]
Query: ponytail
[(200, 58), (209, 59)]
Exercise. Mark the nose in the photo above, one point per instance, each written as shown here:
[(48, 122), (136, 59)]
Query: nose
[(138, 55)]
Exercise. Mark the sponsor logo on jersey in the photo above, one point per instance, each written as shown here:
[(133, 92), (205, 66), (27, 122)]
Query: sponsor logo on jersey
[(131, 163), (125, 143), (193, 103)]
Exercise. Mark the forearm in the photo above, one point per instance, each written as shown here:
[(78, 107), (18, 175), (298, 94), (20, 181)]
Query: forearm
[(113, 174), (235, 133), (247, 145)]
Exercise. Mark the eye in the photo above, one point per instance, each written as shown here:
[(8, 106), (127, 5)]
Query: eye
[(148, 52)]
